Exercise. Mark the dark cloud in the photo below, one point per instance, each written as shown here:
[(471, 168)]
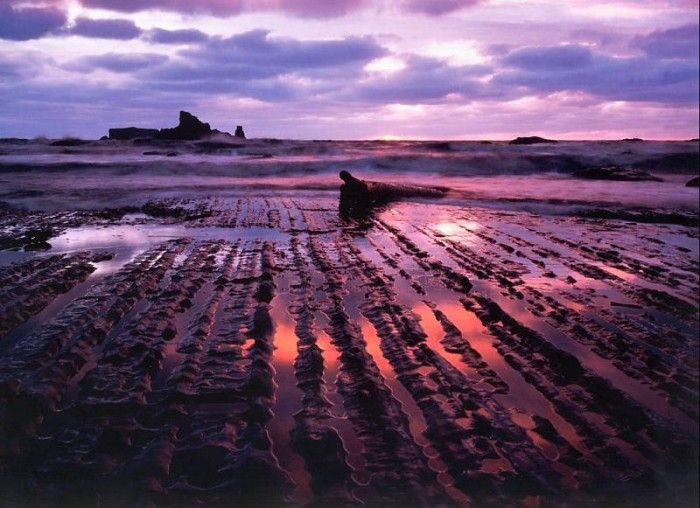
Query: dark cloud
[(682, 42), (256, 55), (161, 36), (547, 70), (436, 7), (122, 29), (256, 47), (544, 58), (117, 62), (191, 6), (301, 8), (30, 23), (254, 64)]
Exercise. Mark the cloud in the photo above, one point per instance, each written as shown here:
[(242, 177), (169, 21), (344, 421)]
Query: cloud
[(30, 23), (9, 69), (301, 8), (256, 55), (257, 65), (681, 42), (436, 7), (191, 6), (122, 29), (161, 36), (117, 62), (569, 56), (423, 80), (577, 68), (309, 8)]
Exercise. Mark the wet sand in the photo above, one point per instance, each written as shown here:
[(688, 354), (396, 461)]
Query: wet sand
[(261, 350)]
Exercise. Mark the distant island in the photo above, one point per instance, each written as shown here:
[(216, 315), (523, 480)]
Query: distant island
[(189, 128)]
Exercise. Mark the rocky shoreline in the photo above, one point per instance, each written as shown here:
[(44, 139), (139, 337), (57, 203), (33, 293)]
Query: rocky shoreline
[(441, 355)]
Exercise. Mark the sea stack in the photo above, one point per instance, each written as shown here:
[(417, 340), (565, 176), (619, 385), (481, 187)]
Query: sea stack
[(190, 128)]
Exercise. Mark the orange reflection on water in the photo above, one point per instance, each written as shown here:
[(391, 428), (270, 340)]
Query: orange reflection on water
[(285, 341), (433, 329), (417, 424), (473, 331), (373, 341)]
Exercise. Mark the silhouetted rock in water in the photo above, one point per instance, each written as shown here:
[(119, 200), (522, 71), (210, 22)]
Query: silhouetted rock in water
[(358, 197), (13, 141), (189, 128), (213, 146), (616, 173), (686, 162), (69, 142), (239, 132), (438, 146), (156, 152), (128, 133), (632, 140), (531, 140), (694, 182)]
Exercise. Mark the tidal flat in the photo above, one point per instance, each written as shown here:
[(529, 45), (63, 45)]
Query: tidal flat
[(179, 337)]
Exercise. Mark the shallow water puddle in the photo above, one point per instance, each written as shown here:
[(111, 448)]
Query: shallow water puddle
[(287, 394)]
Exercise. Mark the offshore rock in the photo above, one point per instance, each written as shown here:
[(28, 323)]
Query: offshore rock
[(616, 173), (531, 140), (189, 128), (127, 133)]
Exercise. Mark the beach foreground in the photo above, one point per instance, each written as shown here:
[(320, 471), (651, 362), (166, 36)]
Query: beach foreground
[(261, 349)]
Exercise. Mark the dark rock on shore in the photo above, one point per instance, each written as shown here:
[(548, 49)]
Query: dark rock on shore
[(693, 182), (37, 239), (69, 142), (644, 216), (239, 132), (531, 140), (616, 173)]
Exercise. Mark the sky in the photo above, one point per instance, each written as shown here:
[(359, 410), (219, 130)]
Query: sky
[(353, 69)]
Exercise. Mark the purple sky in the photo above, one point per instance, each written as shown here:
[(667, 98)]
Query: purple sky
[(349, 69)]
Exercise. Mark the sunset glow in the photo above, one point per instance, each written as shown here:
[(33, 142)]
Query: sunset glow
[(61, 61)]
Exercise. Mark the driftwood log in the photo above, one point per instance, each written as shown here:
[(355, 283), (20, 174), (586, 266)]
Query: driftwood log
[(358, 197)]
